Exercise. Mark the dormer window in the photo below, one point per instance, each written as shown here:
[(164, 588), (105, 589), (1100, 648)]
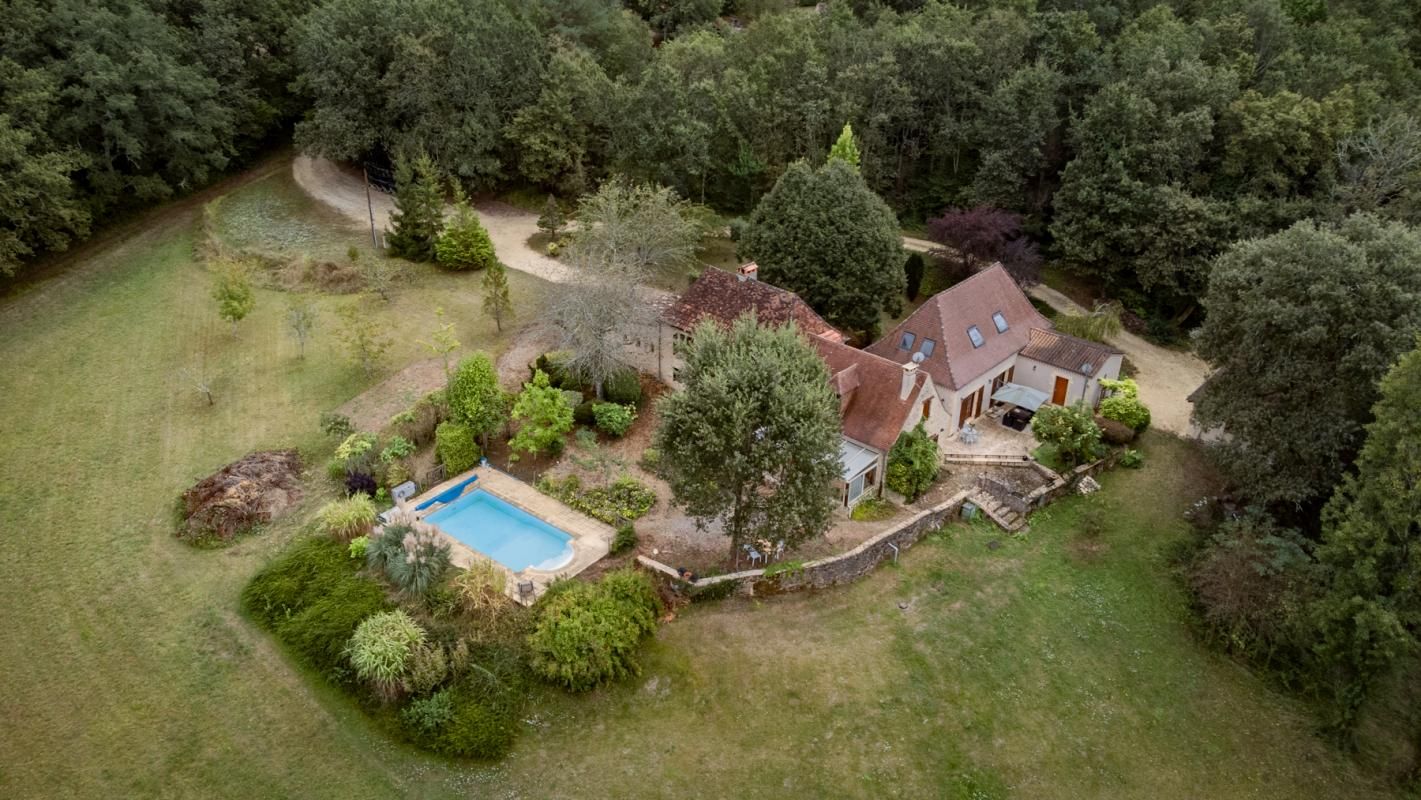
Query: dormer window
[(999, 321), (976, 336), (906, 343), (927, 348)]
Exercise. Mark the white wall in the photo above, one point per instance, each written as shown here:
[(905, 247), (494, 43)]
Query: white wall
[(1042, 377), (953, 400)]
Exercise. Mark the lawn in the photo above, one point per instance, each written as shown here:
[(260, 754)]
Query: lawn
[(1048, 667)]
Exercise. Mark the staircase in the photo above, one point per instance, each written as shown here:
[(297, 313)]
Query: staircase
[(1007, 518)]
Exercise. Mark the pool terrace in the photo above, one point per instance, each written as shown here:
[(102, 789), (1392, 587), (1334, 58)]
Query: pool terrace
[(591, 539)]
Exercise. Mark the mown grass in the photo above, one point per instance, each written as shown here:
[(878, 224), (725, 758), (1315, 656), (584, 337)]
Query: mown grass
[(1041, 668)]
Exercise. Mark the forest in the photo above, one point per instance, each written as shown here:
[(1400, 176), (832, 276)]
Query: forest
[(1137, 140)]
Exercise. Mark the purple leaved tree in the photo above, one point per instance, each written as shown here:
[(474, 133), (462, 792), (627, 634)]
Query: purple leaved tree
[(975, 238)]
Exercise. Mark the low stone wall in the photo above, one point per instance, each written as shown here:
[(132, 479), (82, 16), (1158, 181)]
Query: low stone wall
[(1062, 484), (822, 572)]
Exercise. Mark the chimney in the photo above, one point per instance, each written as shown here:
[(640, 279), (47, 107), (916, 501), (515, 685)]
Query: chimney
[(910, 379), (749, 272)]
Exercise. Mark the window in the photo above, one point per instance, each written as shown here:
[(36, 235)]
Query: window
[(999, 321), (906, 343), (976, 336), (928, 345)]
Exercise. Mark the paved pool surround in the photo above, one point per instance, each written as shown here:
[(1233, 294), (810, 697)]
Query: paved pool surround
[(591, 539)]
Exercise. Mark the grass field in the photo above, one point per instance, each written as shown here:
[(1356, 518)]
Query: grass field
[(1048, 667)]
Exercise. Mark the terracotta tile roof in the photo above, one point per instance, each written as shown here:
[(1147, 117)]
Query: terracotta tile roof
[(723, 297), (1062, 350), (869, 389), (946, 317)]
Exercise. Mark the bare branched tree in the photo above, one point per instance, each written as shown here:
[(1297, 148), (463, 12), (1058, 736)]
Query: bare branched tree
[(625, 232), (1380, 164), (200, 379)]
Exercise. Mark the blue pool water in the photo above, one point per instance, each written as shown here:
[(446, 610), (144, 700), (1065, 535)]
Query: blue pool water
[(503, 532)]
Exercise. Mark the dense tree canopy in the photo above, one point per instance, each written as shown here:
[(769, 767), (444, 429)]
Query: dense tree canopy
[(1301, 325), (1137, 141), (753, 439), (825, 235)]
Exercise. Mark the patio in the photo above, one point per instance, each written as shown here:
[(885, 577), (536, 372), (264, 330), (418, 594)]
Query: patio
[(992, 439)]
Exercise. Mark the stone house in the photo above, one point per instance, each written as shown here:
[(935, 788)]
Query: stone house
[(983, 335)]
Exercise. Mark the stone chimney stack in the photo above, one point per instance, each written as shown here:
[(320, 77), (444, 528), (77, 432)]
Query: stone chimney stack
[(910, 379), (749, 272)]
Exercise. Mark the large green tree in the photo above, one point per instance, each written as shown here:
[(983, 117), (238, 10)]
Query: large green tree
[(418, 218), (475, 398), (752, 441), (1370, 612), (1300, 327), (823, 234)]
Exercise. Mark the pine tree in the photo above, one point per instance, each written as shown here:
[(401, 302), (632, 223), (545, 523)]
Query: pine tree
[(420, 215), (497, 302), (846, 149), (464, 244), (552, 220)]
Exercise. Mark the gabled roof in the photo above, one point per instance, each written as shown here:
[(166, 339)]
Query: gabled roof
[(1068, 352), (869, 389), (946, 317), (723, 297)]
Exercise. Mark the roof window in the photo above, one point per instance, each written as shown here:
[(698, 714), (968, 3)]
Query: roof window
[(975, 335), (999, 321), (927, 348), (906, 343)]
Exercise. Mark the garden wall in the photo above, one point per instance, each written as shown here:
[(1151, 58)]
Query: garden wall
[(1063, 483), (822, 572)]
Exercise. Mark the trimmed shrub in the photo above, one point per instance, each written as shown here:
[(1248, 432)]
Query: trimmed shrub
[(344, 520), (623, 388), (312, 599), (613, 418), (625, 538), (382, 648), (1123, 405), (455, 447), (336, 425), (588, 634), (912, 463), (582, 413), (1114, 432), (554, 364)]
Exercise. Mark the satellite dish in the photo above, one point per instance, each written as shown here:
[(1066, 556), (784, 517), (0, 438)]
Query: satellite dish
[(919, 358)]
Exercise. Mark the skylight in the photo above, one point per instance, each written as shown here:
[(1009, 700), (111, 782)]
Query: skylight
[(976, 336), (999, 321), (907, 342), (927, 348)]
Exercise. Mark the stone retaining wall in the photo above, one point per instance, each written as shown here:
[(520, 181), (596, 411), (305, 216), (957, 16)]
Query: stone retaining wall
[(822, 572), (1062, 483)]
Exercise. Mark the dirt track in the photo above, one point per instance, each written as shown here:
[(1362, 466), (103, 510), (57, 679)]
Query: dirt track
[(1166, 377)]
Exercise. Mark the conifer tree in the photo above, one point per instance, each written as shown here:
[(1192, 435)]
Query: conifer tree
[(419, 217)]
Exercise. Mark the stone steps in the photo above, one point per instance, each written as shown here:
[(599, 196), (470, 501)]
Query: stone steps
[(997, 512)]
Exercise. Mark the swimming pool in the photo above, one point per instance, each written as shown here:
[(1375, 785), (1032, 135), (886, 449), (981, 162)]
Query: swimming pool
[(507, 534)]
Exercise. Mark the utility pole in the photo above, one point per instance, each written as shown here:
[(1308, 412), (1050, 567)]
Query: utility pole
[(370, 206)]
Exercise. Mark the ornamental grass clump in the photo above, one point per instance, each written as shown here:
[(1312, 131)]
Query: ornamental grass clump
[(411, 554), (344, 520), (382, 649)]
